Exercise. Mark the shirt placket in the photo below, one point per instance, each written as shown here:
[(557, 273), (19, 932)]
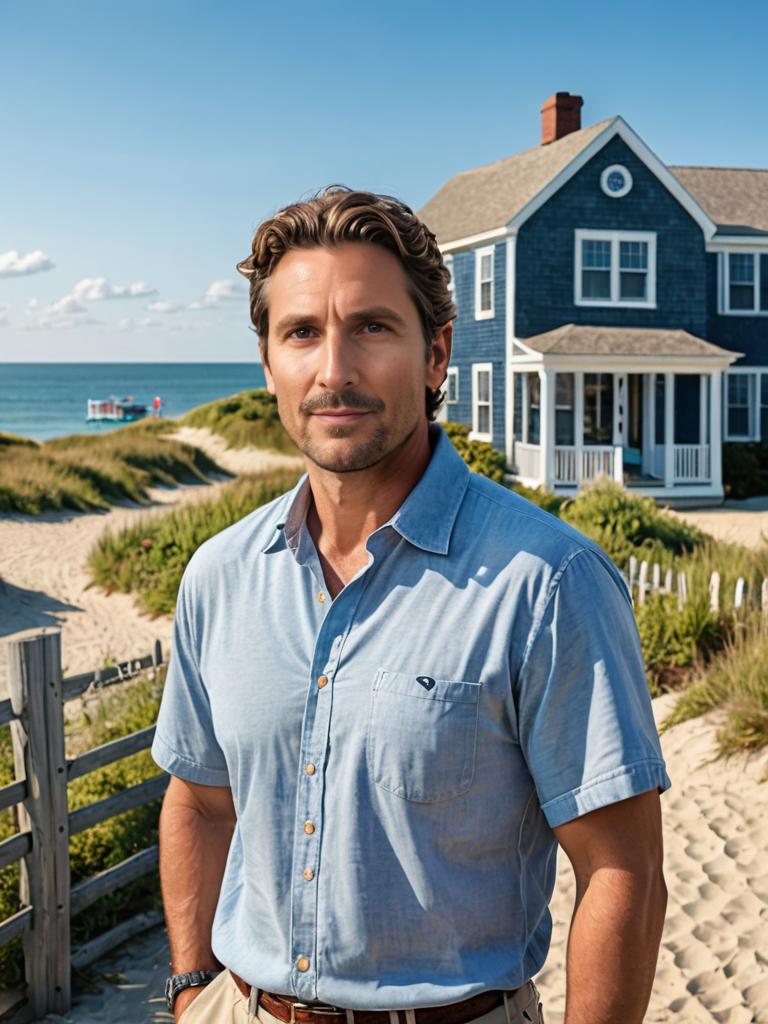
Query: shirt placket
[(308, 829)]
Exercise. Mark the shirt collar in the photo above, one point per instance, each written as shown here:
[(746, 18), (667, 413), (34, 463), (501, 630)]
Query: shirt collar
[(426, 517)]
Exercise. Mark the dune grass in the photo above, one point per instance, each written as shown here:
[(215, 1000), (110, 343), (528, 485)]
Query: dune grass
[(149, 557), (92, 471), (245, 419)]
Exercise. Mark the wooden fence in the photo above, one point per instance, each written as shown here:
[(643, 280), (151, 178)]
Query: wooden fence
[(644, 579), (35, 711)]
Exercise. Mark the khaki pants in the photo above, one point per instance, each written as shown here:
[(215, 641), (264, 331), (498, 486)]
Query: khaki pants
[(222, 1002)]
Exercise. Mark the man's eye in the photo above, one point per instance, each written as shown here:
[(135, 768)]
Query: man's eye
[(375, 328), (301, 333)]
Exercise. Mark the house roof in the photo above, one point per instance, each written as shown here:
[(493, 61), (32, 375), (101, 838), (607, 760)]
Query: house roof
[(488, 197), (735, 198), (578, 340)]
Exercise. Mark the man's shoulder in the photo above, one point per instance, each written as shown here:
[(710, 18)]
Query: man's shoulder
[(241, 541)]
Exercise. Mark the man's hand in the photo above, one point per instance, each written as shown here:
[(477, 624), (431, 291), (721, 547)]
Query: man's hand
[(196, 825), (621, 899)]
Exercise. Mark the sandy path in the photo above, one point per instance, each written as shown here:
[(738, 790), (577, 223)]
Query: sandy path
[(44, 580), (741, 522)]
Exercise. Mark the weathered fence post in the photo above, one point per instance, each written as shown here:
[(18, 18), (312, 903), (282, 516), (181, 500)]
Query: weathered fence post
[(668, 577), (682, 590), (738, 597), (714, 592), (656, 577), (642, 582), (38, 752)]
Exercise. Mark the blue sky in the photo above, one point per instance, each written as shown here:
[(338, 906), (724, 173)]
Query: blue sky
[(143, 141)]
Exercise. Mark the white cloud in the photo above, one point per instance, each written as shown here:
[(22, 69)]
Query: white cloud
[(221, 291), (95, 289), (163, 307), (33, 304), (4, 310), (13, 264)]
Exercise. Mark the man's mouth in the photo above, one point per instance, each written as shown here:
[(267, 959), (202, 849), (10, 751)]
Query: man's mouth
[(339, 417)]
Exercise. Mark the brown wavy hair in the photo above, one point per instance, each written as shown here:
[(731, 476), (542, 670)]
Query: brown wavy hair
[(339, 214)]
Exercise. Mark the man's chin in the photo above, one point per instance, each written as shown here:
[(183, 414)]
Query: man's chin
[(344, 457)]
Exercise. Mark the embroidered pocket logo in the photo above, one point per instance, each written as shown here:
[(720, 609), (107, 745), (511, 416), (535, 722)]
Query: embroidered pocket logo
[(426, 681)]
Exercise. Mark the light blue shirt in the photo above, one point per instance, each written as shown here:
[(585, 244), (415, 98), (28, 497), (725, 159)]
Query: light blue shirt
[(399, 756)]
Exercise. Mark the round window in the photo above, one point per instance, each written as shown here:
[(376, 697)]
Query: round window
[(616, 181)]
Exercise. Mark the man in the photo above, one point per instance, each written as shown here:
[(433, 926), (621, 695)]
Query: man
[(395, 690)]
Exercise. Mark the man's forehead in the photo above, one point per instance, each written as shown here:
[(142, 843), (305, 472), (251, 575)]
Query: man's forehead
[(354, 267)]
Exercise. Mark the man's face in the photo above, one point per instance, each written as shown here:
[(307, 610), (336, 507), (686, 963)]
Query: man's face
[(346, 354)]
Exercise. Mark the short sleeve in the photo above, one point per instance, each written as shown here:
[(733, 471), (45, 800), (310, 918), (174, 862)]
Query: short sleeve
[(185, 743), (585, 722)]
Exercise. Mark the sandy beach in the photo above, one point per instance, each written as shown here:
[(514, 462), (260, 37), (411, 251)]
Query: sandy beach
[(713, 964)]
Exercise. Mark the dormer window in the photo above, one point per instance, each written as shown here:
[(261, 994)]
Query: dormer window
[(615, 268), (743, 283), (484, 283)]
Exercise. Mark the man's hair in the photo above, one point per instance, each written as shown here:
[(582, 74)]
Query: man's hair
[(338, 214)]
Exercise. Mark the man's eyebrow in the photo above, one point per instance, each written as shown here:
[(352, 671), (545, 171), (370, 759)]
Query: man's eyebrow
[(293, 320)]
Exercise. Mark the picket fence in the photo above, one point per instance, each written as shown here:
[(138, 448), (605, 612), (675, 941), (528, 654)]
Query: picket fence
[(645, 580), (48, 901)]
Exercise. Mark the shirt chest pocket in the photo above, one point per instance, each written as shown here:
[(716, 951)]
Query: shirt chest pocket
[(422, 734)]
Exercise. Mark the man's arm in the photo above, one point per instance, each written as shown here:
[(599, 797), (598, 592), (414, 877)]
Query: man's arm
[(621, 899), (196, 825)]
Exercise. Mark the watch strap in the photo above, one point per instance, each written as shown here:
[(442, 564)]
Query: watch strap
[(189, 979)]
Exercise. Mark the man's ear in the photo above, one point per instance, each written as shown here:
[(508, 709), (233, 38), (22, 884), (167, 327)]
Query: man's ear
[(265, 363), (440, 356)]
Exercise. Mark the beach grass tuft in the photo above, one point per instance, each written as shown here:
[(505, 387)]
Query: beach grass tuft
[(249, 418)]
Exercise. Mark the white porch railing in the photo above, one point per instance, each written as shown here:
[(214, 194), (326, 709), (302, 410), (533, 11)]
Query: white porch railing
[(565, 465), (692, 463), (601, 460), (528, 460)]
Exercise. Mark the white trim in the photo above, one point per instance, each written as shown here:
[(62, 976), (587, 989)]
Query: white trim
[(477, 369), (626, 187), (453, 374), (724, 242), (470, 241), (509, 346), (618, 126), (724, 282), (615, 238), (480, 254)]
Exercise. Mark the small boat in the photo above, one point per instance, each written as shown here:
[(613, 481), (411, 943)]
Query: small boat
[(119, 410)]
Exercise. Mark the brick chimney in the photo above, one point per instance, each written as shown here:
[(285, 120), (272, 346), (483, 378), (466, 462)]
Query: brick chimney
[(560, 115)]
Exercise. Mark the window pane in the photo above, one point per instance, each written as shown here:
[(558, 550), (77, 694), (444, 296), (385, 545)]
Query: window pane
[(564, 390), (453, 386), (764, 390), (486, 295), (483, 386), (533, 425), (598, 408), (742, 296), (595, 253), (738, 421), (632, 285), (633, 255), (738, 389), (518, 420), (659, 410), (595, 284), (486, 267), (534, 389), (741, 267), (764, 283), (483, 419), (564, 426)]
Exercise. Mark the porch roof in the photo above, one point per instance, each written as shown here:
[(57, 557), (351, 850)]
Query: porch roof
[(581, 340)]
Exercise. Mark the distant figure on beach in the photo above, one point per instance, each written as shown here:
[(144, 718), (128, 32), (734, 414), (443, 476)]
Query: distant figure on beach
[(394, 690), (156, 403)]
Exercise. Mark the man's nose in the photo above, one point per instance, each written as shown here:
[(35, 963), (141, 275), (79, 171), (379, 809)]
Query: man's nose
[(337, 368)]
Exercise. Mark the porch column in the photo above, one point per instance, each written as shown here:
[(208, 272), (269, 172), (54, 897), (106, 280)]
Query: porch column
[(669, 429), (578, 422), (526, 403), (649, 422), (716, 429), (703, 411), (547, 428)]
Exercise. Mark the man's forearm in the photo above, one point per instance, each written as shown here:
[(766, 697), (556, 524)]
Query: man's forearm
[(613, 947), (193, 854)]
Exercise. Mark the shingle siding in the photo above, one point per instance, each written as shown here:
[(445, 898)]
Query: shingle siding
[(747, 334), (546, 252), (479, 341)]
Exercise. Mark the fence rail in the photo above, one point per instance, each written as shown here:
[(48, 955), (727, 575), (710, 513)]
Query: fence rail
[(35, 713)]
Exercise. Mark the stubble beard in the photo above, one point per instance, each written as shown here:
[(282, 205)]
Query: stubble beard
[(361, 456)]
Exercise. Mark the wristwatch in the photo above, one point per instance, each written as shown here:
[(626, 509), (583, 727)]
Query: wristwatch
[(178, 982)]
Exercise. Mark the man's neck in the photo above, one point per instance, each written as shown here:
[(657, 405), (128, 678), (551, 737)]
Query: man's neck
[(346, 508)]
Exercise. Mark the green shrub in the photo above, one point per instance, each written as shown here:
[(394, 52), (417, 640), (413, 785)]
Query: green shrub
[(745, 470), (480, 456), (248, 418), (150, 556), (674, 638), (625, 524)]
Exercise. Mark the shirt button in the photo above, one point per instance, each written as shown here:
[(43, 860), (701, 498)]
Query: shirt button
[(309, 828), (321, 597), (310, 769), (322, 681), (302, 964), (309, 874)]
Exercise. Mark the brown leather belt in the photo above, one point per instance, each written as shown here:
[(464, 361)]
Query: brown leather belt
[(284, 1008)]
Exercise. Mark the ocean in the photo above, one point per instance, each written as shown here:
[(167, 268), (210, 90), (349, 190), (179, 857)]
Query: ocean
[(44, 400)]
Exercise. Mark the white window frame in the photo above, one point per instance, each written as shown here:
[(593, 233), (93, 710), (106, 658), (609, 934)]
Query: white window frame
[(615, 238), (724, 278), (453, 376), (448, 261), (477, 369), (753, 405), (485, 314)]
